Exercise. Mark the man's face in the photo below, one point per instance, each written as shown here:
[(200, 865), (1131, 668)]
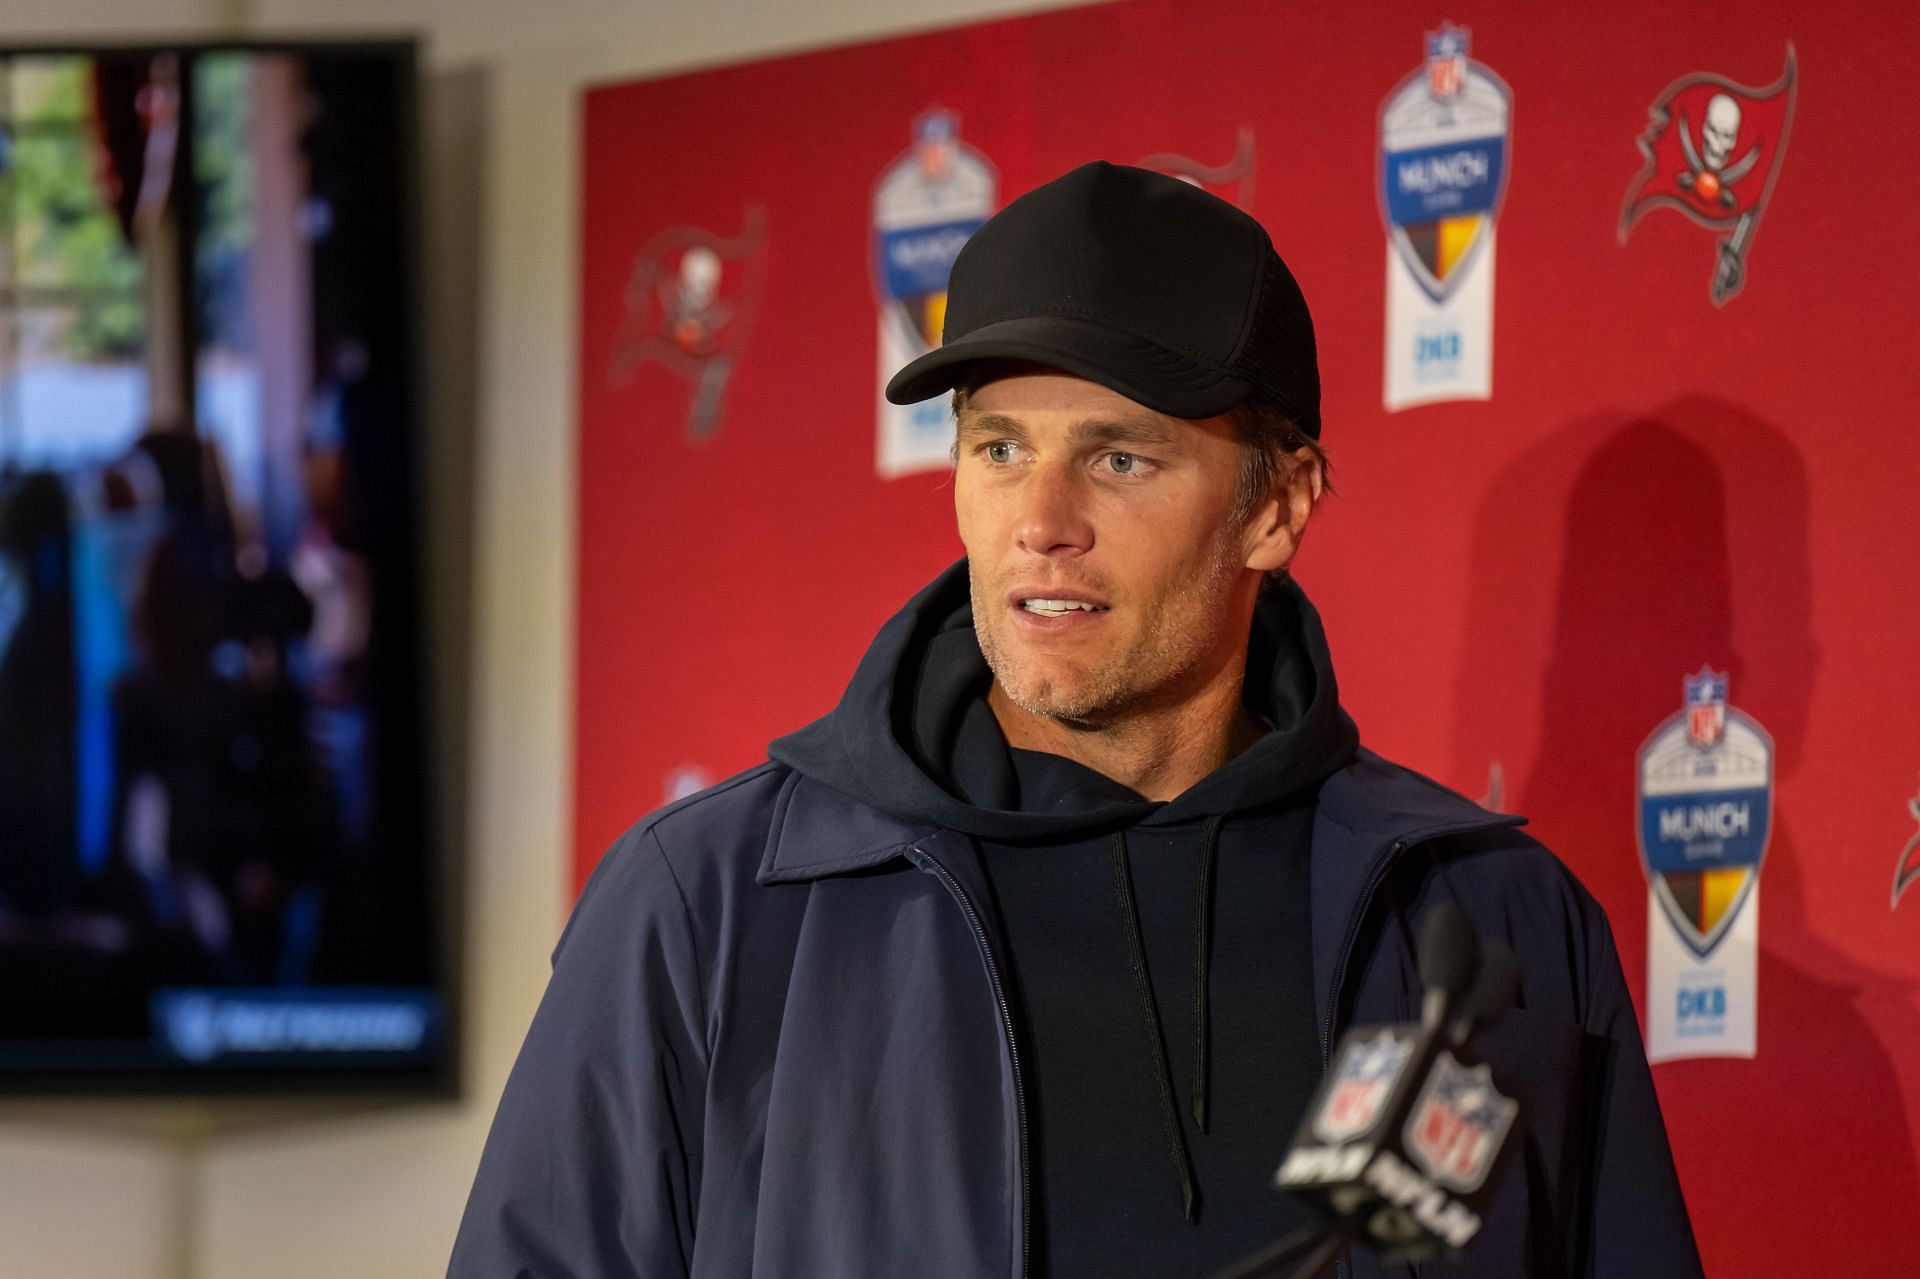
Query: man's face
[(1108, 577)]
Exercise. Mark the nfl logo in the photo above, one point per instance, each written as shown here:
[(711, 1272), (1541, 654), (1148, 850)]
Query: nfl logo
[(1360, 1082), (1706, 708), (935, 140), (1458, 1123), (1447, 61)]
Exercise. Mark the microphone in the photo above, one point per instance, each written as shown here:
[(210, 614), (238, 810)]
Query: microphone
[(1494, 990), (1404, 1143), (1449, 961)]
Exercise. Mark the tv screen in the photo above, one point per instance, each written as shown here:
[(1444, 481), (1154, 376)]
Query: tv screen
[(214, 861)]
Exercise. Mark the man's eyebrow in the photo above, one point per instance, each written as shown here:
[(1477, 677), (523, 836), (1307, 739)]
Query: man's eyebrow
[(1127, 430), (973, 425)]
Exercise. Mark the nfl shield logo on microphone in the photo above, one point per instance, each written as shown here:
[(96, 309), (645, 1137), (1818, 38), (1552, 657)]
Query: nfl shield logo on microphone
[(1360, 1084), (1458, 1123)]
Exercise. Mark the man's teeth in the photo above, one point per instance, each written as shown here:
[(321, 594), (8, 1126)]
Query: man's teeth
[(1058, 608)]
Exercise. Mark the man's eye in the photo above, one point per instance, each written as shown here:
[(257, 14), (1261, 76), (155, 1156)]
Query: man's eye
[(1000, 451), (1122, 463)]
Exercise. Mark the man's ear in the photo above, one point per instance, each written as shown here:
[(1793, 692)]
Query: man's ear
[(1278, 524)]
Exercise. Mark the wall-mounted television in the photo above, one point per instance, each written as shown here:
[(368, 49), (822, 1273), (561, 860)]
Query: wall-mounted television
[(215, 867)]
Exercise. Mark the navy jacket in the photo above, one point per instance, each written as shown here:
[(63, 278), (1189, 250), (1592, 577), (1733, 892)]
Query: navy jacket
[(777, 1039), (775, 1044)]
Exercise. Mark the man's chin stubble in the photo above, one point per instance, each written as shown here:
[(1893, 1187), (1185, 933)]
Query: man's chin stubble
[(1084, 715)]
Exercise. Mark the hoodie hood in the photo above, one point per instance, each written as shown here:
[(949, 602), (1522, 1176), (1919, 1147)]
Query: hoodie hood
[(913, 735)]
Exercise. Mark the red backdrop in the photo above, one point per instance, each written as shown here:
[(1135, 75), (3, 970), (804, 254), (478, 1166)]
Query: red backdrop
[(1656, 484)]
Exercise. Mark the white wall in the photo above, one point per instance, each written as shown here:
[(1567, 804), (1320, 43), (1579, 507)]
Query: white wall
[(97, 1192)]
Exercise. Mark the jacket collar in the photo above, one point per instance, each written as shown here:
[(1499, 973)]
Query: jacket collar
[(1368, 805), (817, 831), (1366, 815)]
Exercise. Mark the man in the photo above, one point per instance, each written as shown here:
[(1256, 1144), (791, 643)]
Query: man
[(1026, 958)]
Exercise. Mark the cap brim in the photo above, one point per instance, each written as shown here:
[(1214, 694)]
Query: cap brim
[(1143, 371)]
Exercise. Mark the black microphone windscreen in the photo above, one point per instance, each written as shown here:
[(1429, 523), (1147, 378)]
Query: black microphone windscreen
[(1449, 951), (1495, 987)]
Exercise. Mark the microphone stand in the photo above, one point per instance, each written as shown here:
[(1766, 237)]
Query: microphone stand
[(1318, 1245)]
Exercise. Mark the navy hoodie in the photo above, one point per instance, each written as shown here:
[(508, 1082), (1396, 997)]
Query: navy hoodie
[(781, 1036), (1155, 955)]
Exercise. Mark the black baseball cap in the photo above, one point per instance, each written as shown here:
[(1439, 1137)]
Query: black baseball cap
[(1138, 281)]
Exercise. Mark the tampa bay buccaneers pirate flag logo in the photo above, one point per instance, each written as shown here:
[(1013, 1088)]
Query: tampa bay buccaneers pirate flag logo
[(1713, 150), (1232, 181), (690, 300)]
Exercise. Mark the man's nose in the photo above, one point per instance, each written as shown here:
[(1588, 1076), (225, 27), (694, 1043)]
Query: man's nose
[(1053, 518)]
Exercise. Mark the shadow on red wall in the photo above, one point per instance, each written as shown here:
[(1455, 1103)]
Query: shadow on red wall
[(1666, 542)]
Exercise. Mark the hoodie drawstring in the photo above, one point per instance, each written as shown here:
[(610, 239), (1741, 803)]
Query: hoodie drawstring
[(1143, 986), (1202, 921)]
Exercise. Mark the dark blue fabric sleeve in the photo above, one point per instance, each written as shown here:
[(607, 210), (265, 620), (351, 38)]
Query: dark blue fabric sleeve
[(592, 1165), (1594, 1194), (1637, 1219)]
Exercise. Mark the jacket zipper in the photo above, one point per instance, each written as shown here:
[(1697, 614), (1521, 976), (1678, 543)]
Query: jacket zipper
[(1379, 872), (1013, 1052), (1359, 915)]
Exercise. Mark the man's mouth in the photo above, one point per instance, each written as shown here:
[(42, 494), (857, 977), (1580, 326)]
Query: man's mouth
[(1059, 608)]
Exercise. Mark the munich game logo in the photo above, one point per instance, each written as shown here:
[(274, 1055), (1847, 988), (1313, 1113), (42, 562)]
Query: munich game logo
[(926, 205), (1363, 1079), (690, 301), (1458, 1123), (1907, 869), (1713, 149), (1232, 181), (1706, 790), (1444, 151)]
